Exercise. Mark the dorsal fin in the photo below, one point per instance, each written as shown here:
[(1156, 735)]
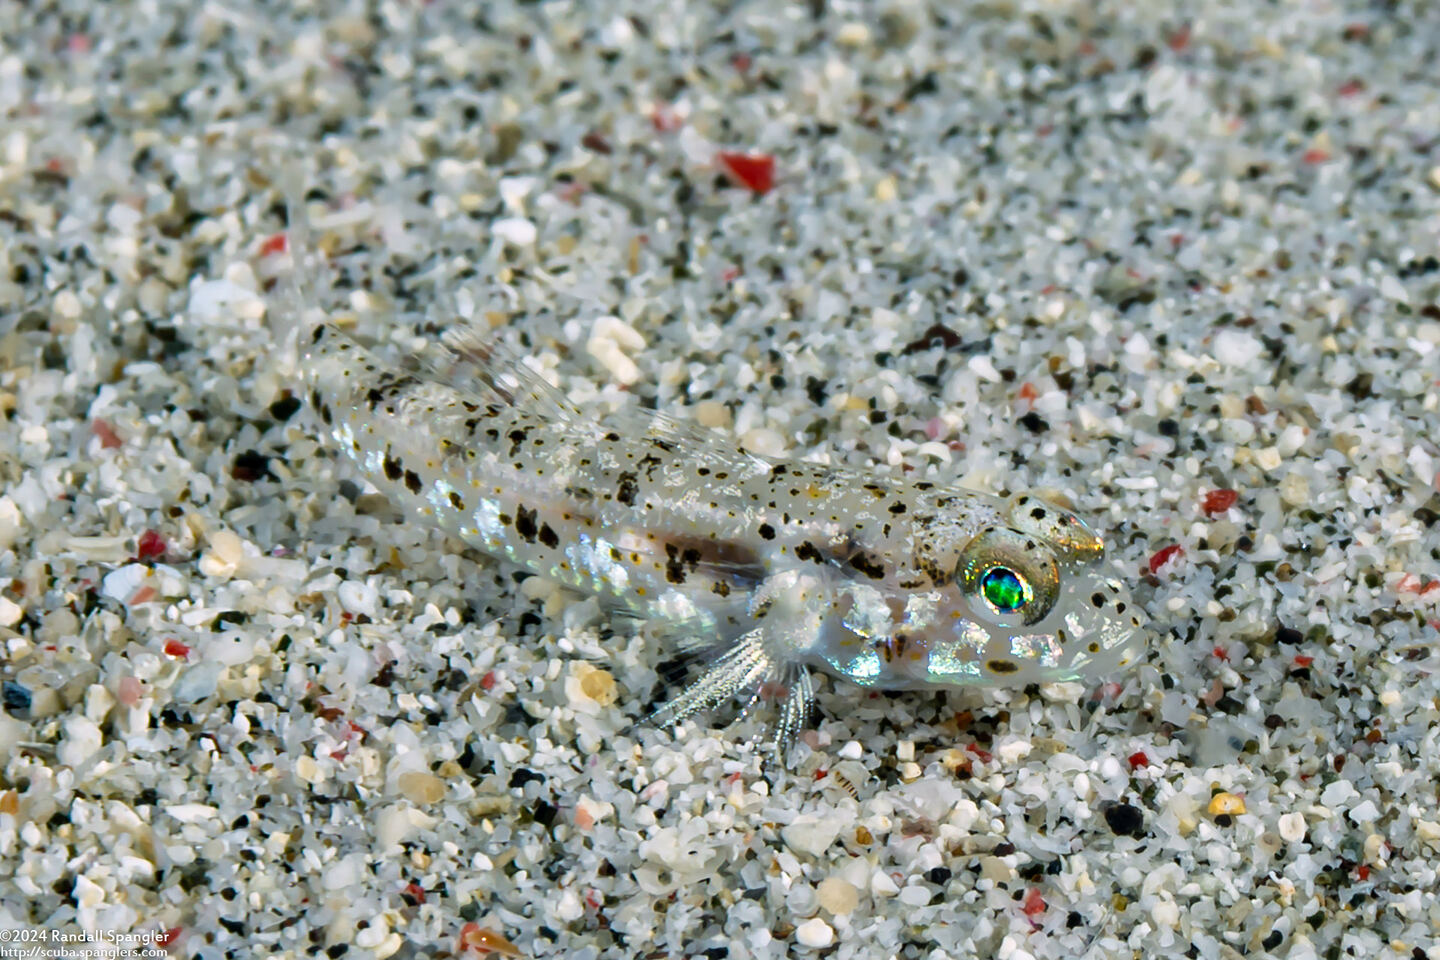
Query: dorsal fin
[(474, 361)]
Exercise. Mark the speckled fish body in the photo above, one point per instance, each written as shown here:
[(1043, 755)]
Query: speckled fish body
[(771, 567)]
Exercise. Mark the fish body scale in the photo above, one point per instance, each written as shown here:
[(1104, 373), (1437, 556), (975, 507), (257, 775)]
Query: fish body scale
[(769, 567)]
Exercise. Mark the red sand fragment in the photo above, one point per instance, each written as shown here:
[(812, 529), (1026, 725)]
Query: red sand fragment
[(1218, 501), (1164, 556), (109, 439), (150, 545), (753, 170)]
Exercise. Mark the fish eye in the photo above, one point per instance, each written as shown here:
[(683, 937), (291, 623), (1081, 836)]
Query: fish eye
[(1005, 590), (1009, 574)]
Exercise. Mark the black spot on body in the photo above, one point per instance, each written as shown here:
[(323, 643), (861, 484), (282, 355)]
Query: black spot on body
[(807, 551), (897, 508), (412, 481), (868, 565), (627, 489), (1038, 513), (525, 523), (392, 468), (1098, 599), (1001, 666), (720, 588), (674, 567), (767, 531), (548, 537)]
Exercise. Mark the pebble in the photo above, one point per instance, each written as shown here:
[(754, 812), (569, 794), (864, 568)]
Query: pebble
[(374, 935), (1226, 804), (128, 691), (516, 230), (226, 553), (88, 894), (1337, 793), (996, 870), (610, 337), (1268, 459), (11, 522), (1294, 489), (197, 682), (421, 787), (1124, 819), (308, 769), (215, 300), (10, 612), (358, 597), (838, 895), (344, 872), (81, 740), (15, 697), (811, 834), (853, 34), (814, 933), (67, 305), (1234, 348), (709, 413), (882, 885), (915, 895), (120, 585), (590, 685)]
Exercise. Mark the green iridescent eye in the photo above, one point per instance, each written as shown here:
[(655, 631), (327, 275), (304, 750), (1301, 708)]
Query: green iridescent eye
[(1010, 575), (1005, 589)]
